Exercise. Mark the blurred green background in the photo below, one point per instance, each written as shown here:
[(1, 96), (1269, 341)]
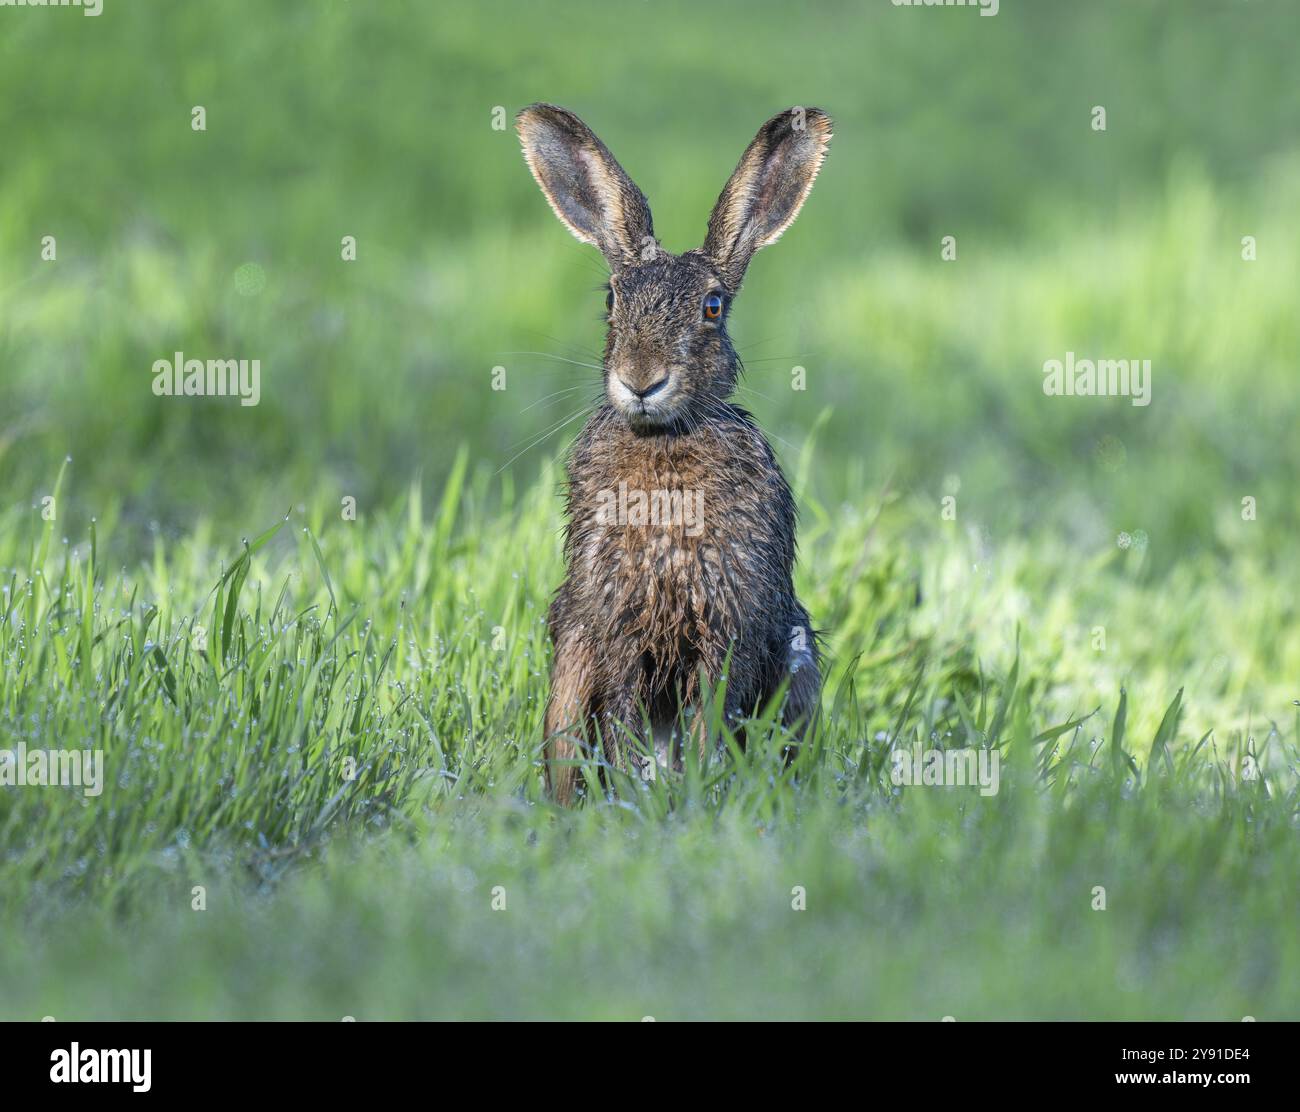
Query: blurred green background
[(328, 118)]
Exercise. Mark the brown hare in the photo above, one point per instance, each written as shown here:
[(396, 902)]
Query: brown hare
[(680, 540)]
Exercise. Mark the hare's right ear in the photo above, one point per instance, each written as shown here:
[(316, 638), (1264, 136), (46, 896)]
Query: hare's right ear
[(586, 186)]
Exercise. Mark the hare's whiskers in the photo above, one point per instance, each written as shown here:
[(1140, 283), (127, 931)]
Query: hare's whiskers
[(557, 358), (756, 393), (778, 359), (556, 394), (756, 343), (574, 349), (545, 436)]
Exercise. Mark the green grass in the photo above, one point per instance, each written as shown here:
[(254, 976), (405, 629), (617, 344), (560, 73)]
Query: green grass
[(416, 648)]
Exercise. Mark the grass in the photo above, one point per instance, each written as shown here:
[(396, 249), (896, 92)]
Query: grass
[(228, 686)]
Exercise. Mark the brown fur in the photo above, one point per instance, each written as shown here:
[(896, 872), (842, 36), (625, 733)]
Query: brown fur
[(650, 604)]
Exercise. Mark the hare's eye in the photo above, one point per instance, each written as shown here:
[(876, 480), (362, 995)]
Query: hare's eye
[(713, 306), (609, 301)]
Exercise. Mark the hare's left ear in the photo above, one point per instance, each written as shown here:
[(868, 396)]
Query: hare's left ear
[(587, 188), (768, 189)]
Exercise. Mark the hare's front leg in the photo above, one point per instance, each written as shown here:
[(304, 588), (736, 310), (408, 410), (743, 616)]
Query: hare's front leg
[(623, 723), (568, 718), (709, 671)]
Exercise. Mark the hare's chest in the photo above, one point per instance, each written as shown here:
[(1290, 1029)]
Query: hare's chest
[(664, 537)]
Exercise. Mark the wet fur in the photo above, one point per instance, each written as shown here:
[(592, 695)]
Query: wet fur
[(646, 608)]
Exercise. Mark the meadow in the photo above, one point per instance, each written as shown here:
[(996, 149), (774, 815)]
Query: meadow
[(321, 728)]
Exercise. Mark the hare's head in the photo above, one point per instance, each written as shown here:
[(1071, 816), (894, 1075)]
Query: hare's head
[(668, 360)]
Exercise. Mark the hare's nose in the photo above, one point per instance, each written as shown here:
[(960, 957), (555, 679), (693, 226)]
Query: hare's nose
[(646, 391)]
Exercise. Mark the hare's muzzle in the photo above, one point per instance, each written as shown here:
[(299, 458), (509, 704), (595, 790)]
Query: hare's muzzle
[(644, 396)]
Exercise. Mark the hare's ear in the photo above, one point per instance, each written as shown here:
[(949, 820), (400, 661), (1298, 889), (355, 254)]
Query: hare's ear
[(586, 186), (768, 188)]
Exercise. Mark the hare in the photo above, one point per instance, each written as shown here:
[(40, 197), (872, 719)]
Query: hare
[(680, 537)]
